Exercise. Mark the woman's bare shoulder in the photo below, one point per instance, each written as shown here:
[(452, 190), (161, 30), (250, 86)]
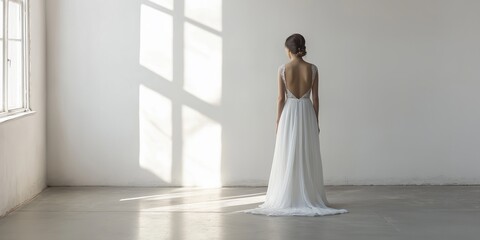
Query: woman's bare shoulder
[(312, 65)]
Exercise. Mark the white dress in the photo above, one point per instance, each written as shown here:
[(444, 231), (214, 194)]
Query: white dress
[(295, 186)]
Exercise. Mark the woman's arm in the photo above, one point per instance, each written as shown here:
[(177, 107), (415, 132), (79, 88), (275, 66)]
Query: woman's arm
[(315, 96), (280, 98)]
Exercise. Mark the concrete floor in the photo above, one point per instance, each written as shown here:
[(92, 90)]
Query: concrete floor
[(376, 212)]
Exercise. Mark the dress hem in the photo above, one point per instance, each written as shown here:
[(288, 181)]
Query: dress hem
[(313, 212)]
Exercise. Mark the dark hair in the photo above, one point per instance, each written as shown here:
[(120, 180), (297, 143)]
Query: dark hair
[(296, 44)]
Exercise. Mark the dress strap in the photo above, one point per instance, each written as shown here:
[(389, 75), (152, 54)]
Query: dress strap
[(314, 71)]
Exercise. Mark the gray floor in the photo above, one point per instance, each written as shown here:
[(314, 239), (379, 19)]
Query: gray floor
[(376, 212)]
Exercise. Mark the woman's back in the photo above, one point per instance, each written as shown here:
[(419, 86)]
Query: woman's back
[(298, 77)]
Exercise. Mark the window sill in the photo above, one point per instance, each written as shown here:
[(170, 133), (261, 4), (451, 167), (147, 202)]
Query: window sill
[(16, 115)]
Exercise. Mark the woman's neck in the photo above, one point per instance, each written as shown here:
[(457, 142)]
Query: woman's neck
[(296, 59)]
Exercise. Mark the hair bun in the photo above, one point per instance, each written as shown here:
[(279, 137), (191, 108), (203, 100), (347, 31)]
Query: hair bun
[(296, 44), (301, 51)]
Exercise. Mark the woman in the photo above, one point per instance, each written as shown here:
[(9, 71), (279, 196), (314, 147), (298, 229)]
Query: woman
[(295, 186)]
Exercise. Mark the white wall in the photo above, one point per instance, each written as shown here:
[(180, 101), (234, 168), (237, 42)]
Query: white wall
[(23, 140), (398, 84)]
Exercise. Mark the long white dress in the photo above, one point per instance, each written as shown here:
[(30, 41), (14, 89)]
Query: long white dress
[(295, 185)]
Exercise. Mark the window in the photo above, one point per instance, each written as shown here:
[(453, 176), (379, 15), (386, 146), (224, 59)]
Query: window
[(14, 58)]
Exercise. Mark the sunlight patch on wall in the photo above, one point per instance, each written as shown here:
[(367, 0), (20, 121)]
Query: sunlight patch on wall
[(156, 41), (203, 64), (168, 4), (206, 12), (201, 149), (155, 128)]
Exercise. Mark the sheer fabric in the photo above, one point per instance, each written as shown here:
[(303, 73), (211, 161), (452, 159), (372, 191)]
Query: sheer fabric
[(295, 184)]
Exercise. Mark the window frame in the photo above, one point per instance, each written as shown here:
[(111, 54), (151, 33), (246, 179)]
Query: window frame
[(8, 114)]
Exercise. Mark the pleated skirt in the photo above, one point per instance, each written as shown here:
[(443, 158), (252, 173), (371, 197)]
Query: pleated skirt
[(295, 185)]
